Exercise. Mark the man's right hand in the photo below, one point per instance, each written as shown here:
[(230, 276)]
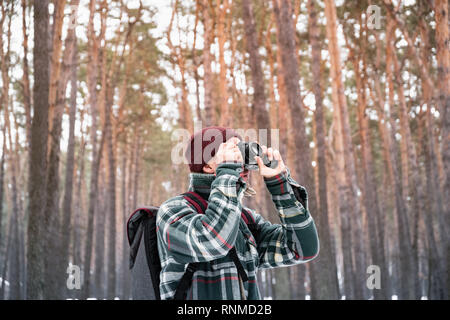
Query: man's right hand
[(229, 152)]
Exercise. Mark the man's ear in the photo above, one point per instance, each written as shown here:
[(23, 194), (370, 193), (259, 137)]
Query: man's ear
[(208, 169)]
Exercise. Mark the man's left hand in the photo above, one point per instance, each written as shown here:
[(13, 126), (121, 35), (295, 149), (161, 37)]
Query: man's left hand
[(272, 154)]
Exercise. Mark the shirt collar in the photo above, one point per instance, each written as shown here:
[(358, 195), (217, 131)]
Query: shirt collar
[(201, 183)]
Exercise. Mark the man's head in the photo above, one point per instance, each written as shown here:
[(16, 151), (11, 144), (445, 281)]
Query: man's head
[(203, 146)]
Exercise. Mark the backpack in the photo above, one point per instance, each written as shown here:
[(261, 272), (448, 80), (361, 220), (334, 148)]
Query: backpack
[(145, 264)]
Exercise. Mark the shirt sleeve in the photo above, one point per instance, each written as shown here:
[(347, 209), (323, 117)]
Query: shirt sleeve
[(295, 239), (191, 237)]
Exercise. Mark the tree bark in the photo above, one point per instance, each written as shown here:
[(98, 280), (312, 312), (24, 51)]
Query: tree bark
[(97, 151), (38, 154), (259, 96), (370, 193), (414, 185), (273, 105), (14, 262), (222, 15), (26, 74), (323, 271), (126, 280), (438, 257), (303, 169), (6, 259), (351, 185), (100, 268), (283, 109), (2, 184), (55, 66), (70, 164), (111, 206), (57, 103), (78, 219), (443, 59), (208, 79)]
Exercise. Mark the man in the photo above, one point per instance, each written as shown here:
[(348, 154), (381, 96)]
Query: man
[(186, 237)]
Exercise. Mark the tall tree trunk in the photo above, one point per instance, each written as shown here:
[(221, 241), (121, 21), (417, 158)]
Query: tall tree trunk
[(2, 184), (58, 82), (13, 165), (4, 274), (389, 177), (323, 271), (184, 108), (111, 206), (26, 74), (38, 154), (415, 184), (4, 66), (438, 257), (283, 109), (70, 164), (417, 189), (195, 65), (78, 217), (351, 185), (208, 78), (343, 204), (407, 264), (443, 59), (100, 269), (222, 15), (125, 213), (237, 110), (55, 66), (303, 169), (273, 105), (14, 262), (259, 96), (97, 151), (370, 193), (136, 172), (436, 265), (392, 163)]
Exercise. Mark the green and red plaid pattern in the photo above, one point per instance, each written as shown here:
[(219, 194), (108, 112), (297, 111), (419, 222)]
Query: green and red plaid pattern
[(185, 236)]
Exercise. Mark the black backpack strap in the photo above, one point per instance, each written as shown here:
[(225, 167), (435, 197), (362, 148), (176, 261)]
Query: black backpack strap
[(151, 253), (185, 282), (234, 257)]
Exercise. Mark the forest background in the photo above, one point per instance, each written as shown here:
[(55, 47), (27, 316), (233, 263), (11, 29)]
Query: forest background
[(91, 92)]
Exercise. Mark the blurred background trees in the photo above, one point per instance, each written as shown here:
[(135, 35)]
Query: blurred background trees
[(92, 90)]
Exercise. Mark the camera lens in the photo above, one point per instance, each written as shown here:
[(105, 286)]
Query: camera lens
[(256, 149)]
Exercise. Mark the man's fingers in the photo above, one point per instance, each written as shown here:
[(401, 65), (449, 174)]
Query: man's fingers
[(233, 141), (259, 162), (223, 146), (270, 154), (232, 147), (277, 155)]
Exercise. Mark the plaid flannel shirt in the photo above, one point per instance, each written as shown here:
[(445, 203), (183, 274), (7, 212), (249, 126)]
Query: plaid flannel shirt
[(184, 236)]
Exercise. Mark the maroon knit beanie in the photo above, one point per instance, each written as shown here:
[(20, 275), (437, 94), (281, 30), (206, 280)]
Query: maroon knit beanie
[(204, 144)]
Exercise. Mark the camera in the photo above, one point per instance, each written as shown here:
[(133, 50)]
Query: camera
[(251, 149)]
